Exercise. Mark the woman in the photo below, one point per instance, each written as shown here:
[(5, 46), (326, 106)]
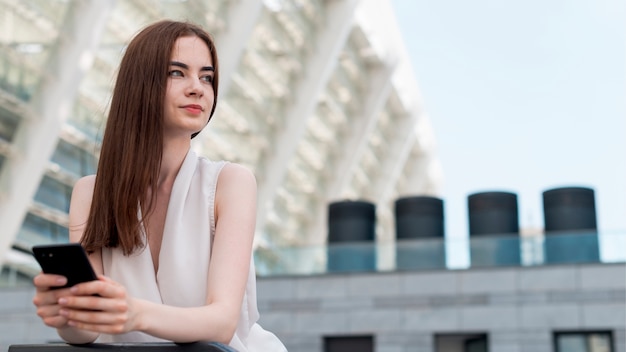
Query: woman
[(169, 233)]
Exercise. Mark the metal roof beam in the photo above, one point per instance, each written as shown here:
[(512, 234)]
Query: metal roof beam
[(319, 67), (379, 88), (242, 17)]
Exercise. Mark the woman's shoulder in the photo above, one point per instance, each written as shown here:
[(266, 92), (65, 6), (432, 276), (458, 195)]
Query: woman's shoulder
[(237, 173), (236, 181), (85, 184), (236, 191), (228, 169)]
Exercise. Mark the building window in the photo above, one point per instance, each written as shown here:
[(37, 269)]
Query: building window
[(583, 341), (8, 124), (349, 343), (467, 342), (37, 230), (54, 194), (73, 159), (12, 277)]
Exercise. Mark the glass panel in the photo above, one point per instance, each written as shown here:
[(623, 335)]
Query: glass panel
[(88, 118), (73, 159), (16, 76), (8, 124), (476, 345), (428, 253), (600, 342), (494, 251), (68, 157), (30, 30), (461, 342), (583, 342), (54, 194), (11, 277), (353, 257), (571, 247), (304, 260), (406, 254), (571, 343), (349, 343), (36, 230)]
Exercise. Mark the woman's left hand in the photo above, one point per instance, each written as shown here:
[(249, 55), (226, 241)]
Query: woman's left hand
[(102, 306)]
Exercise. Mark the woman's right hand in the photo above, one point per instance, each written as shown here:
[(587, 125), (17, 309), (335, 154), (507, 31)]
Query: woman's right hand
[(47, 297)]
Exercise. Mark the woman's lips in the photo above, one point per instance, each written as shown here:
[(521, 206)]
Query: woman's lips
[(194, 109)]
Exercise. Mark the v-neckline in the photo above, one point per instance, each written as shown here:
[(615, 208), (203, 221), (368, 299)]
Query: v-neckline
[(148, 248)]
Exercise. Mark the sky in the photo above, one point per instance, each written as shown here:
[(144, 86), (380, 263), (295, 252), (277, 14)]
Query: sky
[(523, 96)]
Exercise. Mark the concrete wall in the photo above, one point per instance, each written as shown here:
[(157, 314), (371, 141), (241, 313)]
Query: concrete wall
[(519, 308)]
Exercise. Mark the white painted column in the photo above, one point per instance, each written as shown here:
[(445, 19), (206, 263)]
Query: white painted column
[(37, 136), (318, 68)]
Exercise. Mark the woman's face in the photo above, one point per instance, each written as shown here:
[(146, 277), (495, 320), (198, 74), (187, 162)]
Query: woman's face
[(189, 95)]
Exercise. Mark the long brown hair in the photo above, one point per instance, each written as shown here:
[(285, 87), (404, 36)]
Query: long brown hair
[(132, 145)]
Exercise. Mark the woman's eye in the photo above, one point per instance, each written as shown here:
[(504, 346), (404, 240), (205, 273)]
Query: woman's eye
[(207, 78), (176, 73)]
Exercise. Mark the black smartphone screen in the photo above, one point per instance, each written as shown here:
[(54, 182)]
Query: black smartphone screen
[(68, 259)]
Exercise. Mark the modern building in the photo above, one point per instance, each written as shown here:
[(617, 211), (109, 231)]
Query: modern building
[(319, 99), (544, 308)]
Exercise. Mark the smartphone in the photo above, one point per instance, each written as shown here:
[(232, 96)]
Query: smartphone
[(67, 259)]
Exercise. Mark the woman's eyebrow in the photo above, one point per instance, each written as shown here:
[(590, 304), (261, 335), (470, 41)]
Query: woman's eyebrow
[(186, 67)]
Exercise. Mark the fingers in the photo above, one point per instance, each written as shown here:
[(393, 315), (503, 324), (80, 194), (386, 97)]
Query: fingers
[(45, 282), (101, 306), (81, 318), (106, 279), (100, 328), (104, 288), (99, 314), (55, 322), (94, 303), (46, 298), (49, 297), (50, 316)]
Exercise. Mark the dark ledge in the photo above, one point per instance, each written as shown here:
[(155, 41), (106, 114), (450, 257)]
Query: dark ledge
[(132, 347)]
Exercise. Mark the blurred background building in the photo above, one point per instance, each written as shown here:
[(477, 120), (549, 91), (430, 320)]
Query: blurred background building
[(318, 98)]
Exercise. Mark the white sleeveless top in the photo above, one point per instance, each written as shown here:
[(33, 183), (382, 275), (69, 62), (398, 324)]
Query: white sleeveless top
[(181, 279)]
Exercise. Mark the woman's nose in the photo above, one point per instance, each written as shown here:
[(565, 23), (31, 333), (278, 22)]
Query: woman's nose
[(195, 87)]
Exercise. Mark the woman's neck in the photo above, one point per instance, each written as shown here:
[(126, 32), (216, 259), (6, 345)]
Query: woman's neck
[(172, 159)]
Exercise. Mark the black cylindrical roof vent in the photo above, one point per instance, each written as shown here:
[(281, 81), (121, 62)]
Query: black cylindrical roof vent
[(569, 208), (420, 233), (419, 217), (493, 213), (493, 225), (351, 235), (351, 221), (570, 226)]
